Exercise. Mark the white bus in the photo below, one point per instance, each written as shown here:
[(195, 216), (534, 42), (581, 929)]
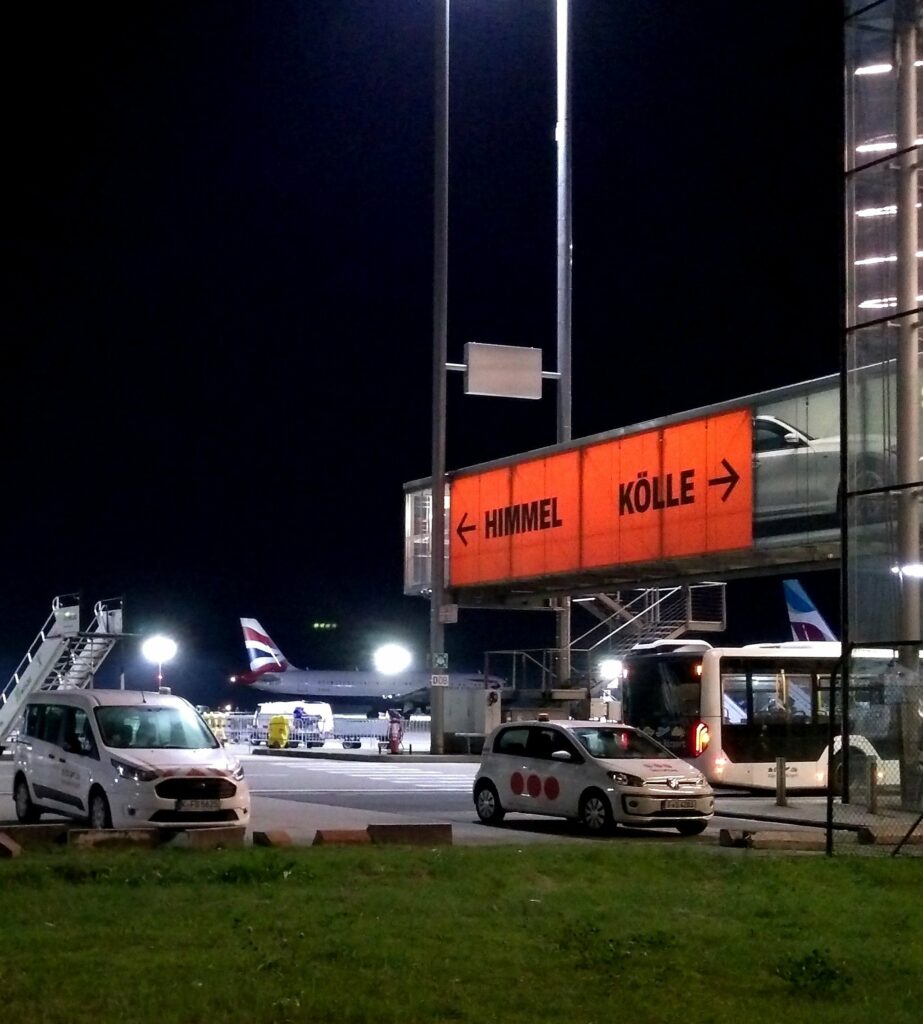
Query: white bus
[(731, 711)]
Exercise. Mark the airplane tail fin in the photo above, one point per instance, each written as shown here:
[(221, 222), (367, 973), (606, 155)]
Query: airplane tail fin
[(806, 621), (264, 655)]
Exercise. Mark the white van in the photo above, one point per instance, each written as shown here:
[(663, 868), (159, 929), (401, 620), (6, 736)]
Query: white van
[(123, 758)]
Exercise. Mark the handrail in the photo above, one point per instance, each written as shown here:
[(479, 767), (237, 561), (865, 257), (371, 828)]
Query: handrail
[(630, 622), (33, 648)]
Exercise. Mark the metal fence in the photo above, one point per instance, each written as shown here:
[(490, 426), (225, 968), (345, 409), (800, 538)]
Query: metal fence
[(876, 767), (245, 729)]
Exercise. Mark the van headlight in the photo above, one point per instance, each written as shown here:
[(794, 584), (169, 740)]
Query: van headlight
[(237, 773), (133, 772), (624, 779)]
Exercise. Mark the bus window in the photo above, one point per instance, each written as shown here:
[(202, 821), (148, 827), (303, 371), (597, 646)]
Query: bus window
[(733, 698), (769, 696), (799, 696)]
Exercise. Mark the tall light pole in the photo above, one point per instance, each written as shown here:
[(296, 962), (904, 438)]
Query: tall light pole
[(564, 275), (440, 351), (440, 333)]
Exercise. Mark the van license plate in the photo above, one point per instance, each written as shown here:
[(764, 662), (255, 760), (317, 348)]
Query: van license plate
[(678, 805), (198, 805)]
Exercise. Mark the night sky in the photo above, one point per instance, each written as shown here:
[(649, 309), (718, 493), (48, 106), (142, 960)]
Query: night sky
[(219, 304)]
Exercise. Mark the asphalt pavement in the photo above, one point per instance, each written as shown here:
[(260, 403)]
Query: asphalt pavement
[(301, 791)]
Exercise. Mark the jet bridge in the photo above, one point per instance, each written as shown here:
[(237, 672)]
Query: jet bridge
[(62, 656), (741, 488)]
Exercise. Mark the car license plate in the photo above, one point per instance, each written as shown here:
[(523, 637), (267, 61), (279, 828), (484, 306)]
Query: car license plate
[(678, 805), (198, 805)]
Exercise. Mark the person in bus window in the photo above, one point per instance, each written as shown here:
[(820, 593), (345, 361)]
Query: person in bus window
[(777, 711)]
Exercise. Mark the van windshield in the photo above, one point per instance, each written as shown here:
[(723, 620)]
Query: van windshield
[(149, 727)]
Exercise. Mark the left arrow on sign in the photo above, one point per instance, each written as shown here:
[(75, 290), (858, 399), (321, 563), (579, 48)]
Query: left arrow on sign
[(461, 529), (731, 479)]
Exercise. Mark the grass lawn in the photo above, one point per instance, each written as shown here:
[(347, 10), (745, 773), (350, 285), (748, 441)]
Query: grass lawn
[(595, 934)]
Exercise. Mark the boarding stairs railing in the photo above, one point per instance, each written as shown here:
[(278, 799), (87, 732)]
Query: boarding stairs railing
[(61, 656)]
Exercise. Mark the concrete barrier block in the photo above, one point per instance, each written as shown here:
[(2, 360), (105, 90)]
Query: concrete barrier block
[(109, 838), (341, 836), (29, 836), (412, 834), (274, 837), (9, 848), (889, 835), (781, 840), (221, 838)]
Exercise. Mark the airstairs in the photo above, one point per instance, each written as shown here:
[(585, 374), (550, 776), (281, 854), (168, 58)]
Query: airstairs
[(62, 656), (624, 619)]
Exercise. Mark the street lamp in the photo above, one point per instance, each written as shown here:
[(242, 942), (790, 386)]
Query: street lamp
[(158, 650)]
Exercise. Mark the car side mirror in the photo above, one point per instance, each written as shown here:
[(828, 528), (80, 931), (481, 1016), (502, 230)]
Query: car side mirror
[(792, 440), (561, 755)]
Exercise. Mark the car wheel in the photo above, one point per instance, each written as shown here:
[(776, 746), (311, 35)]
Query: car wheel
[(487, 804), (26, 811), (596, 812), (691, 828), (100, 816), (871, 508)]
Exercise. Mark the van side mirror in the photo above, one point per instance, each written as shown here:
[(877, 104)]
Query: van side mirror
[(561, 755)]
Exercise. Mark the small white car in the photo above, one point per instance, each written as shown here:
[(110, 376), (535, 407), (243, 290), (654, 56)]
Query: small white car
[(597, 773), (123, 758)]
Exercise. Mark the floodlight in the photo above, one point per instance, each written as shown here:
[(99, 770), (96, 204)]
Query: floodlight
[(610, 669), (390, 659)]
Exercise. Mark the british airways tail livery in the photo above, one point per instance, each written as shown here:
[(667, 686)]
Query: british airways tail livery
[(263, 654), (344, 691), (806, 621)]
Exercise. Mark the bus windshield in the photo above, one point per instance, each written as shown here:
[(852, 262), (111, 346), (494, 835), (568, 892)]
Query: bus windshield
[(661, 695)]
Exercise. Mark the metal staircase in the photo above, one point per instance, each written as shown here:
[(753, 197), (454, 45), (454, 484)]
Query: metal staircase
[(641, 617), (61, 656), (625, 619)]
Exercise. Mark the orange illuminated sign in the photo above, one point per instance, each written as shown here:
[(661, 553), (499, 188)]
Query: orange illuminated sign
[(677, 490)]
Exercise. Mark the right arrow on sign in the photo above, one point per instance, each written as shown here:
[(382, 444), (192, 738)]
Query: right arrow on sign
[(731, 479), (461, 530)]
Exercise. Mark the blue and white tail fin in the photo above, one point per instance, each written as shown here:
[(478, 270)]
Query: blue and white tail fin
[(806, 621), (264, 655)]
